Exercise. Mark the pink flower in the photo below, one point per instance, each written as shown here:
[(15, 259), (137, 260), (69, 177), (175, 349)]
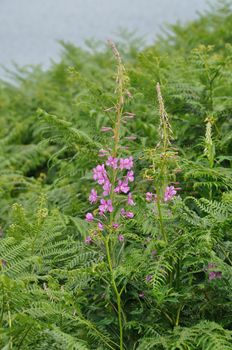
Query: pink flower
[(127, 214), (121, 238), (88, 240), (169, 193), (149, 196), (212, 275), (126, 163), (215, 275), (115, 225), (130, 176), (154, 252), (123, 212), (106, 205), (110, 207), (99, 174), (100, 226), (89, 217), (130, 199), (218, 274), (93, 196), (106, 188), (211, 266), (122, 187), (112, 162), (148, 278)]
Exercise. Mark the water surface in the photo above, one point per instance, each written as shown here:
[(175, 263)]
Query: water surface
[(29, 29)]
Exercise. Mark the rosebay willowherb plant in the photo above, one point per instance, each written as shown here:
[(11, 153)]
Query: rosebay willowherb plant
[(113, 179), (113, 198), (164, 165)]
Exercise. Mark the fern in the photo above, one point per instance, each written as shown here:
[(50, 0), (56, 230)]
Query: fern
[(71, 134), (173, 279)]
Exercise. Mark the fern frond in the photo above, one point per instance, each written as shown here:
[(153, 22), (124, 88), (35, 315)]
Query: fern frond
[(69, 133)]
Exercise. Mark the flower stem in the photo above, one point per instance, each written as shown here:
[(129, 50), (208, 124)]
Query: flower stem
[(10, 324), (161, 217), (118, 295)]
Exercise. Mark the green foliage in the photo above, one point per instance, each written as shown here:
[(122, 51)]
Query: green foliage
[(173, 272)]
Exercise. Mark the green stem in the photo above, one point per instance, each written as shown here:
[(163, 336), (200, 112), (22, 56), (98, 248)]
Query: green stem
[(161, 216), (120, 321), (10, 324), (118, 295)]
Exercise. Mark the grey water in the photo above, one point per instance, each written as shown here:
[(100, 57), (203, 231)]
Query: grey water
[(30, 29)]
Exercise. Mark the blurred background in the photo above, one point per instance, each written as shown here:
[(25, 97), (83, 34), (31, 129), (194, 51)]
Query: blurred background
[(30, 29)]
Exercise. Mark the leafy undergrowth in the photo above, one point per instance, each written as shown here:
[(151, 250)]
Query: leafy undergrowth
[(116, 196)]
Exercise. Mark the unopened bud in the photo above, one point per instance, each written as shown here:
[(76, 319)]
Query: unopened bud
[(124, 147), (129, 115), (131, 138), (106, 129), (102, 153), (128, 94), (109, 109)]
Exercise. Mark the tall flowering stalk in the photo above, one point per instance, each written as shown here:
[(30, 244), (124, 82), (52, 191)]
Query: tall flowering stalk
[(164, 165), (162, 173), (112, 193), (209, 150)]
